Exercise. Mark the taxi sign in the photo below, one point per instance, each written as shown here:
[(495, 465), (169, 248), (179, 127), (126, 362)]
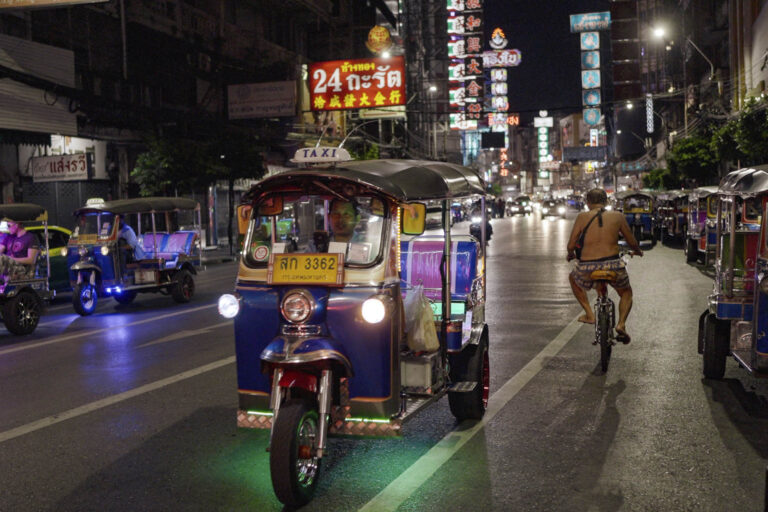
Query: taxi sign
[(94, 201), (324, 269), (319, 155)]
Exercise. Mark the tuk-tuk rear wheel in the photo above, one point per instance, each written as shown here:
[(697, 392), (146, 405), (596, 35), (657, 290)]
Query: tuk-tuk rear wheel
[(293, 466), (717, 343), (471, 365), (183, 287), (21, 314), (84, 298)]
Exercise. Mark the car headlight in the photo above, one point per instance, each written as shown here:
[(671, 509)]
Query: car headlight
[(608, 207), (476, 219), (104, 250), (297, 306), (374, 310), (561, 210), (64, 251), (545, 210), (229, 305), (82, 251)]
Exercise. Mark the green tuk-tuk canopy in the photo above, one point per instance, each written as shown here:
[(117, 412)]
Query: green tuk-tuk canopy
[(23, 212), (746, 182), (140, 205), (404, 180)]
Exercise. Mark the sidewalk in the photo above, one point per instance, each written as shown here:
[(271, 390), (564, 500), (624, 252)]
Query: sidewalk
[(213, 255)]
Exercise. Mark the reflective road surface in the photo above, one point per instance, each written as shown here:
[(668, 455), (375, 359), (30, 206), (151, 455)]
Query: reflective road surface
[(133, 408)]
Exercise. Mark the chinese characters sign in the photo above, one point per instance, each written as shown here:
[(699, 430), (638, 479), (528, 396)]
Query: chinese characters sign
[(361, 83)]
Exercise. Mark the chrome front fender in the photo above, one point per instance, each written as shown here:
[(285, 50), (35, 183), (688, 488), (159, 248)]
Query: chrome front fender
[(297, 351)]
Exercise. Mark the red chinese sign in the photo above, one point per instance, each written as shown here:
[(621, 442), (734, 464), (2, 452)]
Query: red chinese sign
[(361, 83)]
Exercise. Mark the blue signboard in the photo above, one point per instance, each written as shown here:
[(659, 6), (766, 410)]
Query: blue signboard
[(590, 40), (590, 79), (591, 97), (591, 116), (590, 21), (590, 60)]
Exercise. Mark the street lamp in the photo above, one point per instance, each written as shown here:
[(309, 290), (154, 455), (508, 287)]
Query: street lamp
[(659, 33)]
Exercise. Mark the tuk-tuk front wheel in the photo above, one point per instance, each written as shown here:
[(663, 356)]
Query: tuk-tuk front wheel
[(293, 465), (84, 298), (471, 364), (21, 313), (183, 287), (717, 345)]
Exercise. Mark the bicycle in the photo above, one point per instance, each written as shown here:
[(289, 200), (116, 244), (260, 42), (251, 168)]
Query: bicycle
[(605, 313)]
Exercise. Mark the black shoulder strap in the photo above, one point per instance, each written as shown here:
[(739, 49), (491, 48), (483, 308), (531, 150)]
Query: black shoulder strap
[(599, 222)]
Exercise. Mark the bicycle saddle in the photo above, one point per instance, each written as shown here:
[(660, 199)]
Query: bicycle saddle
[(603, 275)]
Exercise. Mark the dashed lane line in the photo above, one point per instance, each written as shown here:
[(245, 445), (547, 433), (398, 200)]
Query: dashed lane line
[(402, 487), (81, 334), (111, 400)]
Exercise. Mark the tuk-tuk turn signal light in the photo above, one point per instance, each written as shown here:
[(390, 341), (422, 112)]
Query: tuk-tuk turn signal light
[(64, 251), (229, 305), (104, 250), (82, 251), (297, 306)]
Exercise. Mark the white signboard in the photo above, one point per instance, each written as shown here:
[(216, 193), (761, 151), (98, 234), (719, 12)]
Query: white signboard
[(60, 168), (269, 99)]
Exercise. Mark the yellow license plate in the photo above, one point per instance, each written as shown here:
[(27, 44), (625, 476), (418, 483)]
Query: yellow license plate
[(326, 269)]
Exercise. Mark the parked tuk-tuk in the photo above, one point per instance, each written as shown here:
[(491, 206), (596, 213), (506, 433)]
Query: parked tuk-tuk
[(324, 334), (701, 232), (102, 265), (737, 317), (638, 210), (23, 298), (672, 210)]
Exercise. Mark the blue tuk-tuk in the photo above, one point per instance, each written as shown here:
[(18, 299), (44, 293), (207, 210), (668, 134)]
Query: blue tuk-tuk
[(101, 265), (737, 318), (637, 207), (324, 335), (701, 233)]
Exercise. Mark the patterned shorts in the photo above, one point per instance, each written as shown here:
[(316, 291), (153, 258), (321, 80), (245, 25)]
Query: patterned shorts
[(584, 268), (10, 269)]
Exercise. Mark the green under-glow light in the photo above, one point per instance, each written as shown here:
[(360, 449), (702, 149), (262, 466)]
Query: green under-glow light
[(261, 413), (368, 420)]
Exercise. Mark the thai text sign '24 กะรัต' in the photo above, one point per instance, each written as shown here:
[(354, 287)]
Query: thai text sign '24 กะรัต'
[(361, 83)]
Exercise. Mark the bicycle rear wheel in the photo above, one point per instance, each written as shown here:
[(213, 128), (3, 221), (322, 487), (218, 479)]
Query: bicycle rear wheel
[(603, 327)]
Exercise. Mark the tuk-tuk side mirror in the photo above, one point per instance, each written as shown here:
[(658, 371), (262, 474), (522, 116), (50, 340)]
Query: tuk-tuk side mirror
[(243, 216), (271, 206), (414, 218)]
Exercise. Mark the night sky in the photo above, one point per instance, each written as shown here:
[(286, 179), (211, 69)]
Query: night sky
[(549, 74)]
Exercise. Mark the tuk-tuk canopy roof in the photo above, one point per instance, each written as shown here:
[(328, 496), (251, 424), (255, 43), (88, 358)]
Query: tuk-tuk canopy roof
[(702, 192), (23, 212), (404, 180), (629, 193), (745, 182), (668, 195), (140, 205)]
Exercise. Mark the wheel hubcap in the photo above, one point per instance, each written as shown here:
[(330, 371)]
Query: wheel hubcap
[(306, 463), (27, 312)]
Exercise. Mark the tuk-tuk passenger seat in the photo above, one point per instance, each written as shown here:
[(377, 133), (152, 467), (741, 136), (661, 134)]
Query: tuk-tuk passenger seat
[(420, 264), (148, 244), (177, 243)]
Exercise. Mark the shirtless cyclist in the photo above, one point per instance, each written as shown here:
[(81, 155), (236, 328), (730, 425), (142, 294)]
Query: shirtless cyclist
[(601, 252)]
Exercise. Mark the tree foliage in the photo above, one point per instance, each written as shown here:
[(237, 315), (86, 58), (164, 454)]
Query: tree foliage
[(662, 179), (693, 161)]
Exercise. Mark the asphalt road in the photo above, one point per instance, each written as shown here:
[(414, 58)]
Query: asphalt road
[(133, 408)]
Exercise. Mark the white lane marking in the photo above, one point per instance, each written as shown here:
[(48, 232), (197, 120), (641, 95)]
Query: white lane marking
[(184, 334), (80, 334), (106, 402), (402, 487)]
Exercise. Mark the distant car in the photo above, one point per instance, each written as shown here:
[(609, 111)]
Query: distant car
[(522, 205), (58, 237), (434, 219), (553, 208)]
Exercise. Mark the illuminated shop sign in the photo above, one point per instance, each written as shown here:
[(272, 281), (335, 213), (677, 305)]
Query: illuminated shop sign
[(501, 58), (590, 21), (464, 5), (361, 83)]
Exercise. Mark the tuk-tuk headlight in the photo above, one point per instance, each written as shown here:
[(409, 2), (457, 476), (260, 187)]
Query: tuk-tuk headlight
[(82, 251), (64, 251), (104, 250), (297, 306), (637, 217), (374, 310), (229, 305)]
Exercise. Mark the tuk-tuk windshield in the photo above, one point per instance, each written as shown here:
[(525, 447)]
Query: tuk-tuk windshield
[(322, 224), (99, 224), (634, 203)]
